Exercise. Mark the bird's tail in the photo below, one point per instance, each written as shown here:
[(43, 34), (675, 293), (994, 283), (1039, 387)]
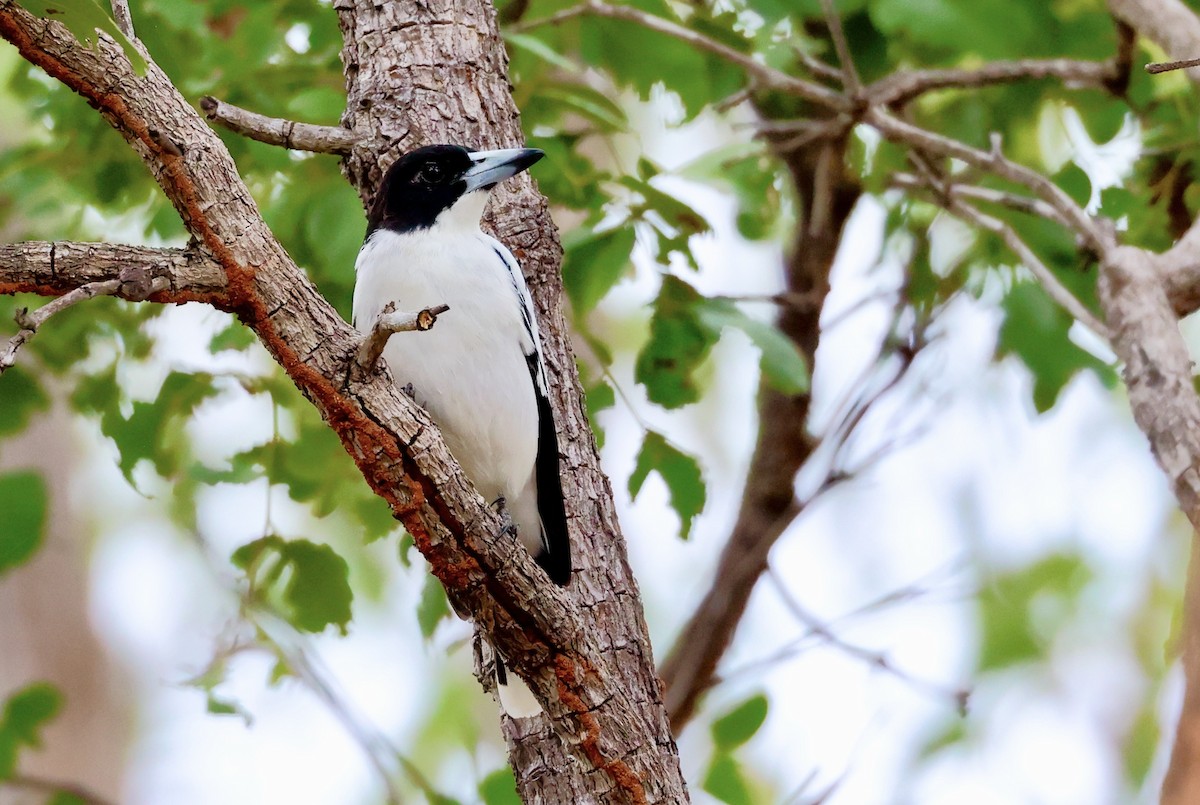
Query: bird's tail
[(515, 696)]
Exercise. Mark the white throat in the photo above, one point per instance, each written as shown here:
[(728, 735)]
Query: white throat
[(464, 215)]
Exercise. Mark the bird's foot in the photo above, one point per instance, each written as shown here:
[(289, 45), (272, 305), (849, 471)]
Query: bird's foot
[(507, 526)]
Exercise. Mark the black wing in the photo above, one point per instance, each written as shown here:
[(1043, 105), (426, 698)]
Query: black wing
[(555, 558)]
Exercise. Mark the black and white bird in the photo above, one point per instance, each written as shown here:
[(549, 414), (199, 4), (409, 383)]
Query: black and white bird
[(479, 372)]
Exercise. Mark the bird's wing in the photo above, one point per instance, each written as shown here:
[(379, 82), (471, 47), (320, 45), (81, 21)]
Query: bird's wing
[(556, 556)]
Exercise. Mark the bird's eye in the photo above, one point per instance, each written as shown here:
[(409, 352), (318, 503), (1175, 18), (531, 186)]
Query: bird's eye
[(431, 174)]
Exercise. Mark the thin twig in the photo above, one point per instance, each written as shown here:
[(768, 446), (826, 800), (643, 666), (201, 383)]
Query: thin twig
[(50, 788), (851, 80), (121, 15), (767, 77), (1168, 66), (993, 161), (822, 631), (1013, 201), (1041, 272), (388, 323), (277, 131), (133, 284), (900, 88), (819, 68)]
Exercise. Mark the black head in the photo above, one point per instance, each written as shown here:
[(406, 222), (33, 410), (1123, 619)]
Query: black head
[(422, 184)]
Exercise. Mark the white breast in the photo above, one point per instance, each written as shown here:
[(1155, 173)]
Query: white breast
[(469, 371)]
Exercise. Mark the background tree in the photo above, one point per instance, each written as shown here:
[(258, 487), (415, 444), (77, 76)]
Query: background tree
[(984, 113)]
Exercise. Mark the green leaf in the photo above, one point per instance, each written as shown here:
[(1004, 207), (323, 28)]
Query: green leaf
[(84, 18), (739, 725), (26, 713), (1075, 183), (499, 788), (726, 782), (153, 430), (1035, 329), (678, 343), (538, 48), (20, 398), (593, 262), (317, 592), (235, 336), (681, 473), (683, 329), (1023, 609), (782, 363), (433, 607), (23, 502)]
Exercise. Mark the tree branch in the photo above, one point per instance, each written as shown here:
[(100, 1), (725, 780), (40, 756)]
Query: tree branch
[(993, 161), (948, 197), (277, 131), (902, 87), (388, 323), (52, 269), (602, 702), (850, 77), (134, 284), (766, 76)]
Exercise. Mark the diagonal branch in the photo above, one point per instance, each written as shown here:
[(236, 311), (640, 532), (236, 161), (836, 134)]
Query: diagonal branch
[(277, 131), (602, 705), (948, 196), (993, 161), (766, 76)]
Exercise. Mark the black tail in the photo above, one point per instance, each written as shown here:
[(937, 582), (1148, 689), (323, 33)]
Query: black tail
[(555, 557)]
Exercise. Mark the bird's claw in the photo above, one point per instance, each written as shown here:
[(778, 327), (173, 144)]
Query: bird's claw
[(507, 526)]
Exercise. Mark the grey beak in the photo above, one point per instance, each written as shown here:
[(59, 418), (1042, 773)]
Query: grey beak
[(490, 168)]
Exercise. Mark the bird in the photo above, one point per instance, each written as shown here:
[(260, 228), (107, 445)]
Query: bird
[(479, 372)]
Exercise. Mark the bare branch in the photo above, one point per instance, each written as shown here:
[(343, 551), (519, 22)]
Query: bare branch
[(824, 632), (993, 161), (1013, 201), (1168, 66), (1169, 23), (277, 131), (768, 77), (1045, 277), (136, 284), (849, 73), (902, 87), (388, 323), (53, 269), (121, 15)]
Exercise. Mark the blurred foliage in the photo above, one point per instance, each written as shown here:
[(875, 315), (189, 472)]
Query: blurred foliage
[(26, 713), (65, 175)]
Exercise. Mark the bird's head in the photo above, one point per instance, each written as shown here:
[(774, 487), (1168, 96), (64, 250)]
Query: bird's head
[(442, 184)]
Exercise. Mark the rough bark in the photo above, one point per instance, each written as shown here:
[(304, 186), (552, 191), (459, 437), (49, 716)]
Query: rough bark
[(584, 651), (769, 501), (421, 72)]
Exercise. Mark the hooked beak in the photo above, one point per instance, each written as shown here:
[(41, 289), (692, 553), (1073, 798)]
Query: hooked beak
[(490, 168)]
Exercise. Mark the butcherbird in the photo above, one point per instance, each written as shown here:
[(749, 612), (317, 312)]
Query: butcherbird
[(479, 372)]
